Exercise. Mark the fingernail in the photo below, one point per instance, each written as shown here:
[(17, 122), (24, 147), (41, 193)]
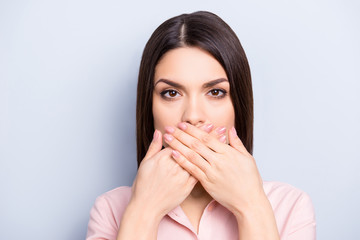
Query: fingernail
[(182, 126), (209, 127), (221, 130), (233, 130), (168, 137), (175, 154), (156, 135), (169, 129), (223, 139)]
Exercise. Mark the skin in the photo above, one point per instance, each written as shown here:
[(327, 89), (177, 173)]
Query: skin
[(202, 153), (192, 102), (191, 68)]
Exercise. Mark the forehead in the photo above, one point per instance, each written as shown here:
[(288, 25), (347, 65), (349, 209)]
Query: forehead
[(189, 65)]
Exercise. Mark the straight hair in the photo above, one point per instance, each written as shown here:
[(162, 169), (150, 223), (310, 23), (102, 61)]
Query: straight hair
[(209, 32)]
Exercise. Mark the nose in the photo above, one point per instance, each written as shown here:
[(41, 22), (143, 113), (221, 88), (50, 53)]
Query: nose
[(193, 112)]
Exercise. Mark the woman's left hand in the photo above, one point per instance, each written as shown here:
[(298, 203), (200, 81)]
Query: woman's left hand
[(227, 172)]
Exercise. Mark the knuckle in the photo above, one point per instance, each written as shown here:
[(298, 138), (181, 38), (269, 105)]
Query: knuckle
[(175, 169), (206, 138), (191, 155), (195, 145), (192, 170), (211, 177), (161, 161), (184, 173), (178, 134), (218, 167), (183, 162)]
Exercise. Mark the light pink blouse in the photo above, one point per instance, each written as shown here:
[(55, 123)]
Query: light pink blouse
[(292, 207)]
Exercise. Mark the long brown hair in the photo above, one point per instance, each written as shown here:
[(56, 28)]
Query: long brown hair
[(209, 32)]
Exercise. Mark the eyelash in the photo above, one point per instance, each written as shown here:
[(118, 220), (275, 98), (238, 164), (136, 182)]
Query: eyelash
[(163, 93)]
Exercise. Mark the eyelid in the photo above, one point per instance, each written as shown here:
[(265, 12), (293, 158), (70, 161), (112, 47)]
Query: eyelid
[(162, 94), (224, 92)]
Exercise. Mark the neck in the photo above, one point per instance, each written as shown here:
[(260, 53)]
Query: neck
[(198, 194)]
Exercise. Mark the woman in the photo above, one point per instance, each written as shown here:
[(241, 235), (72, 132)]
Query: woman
[(196, 176)]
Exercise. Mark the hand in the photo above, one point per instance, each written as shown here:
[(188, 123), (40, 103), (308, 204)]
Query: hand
[(227, 172), (161, 184)]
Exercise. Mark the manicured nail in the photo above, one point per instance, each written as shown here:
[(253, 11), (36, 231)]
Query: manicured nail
[(233, 130), (156, 135), (175, 154), (168, 137), (209, 127), (169, 129), (223, 138), (182, 126), (221, 130)]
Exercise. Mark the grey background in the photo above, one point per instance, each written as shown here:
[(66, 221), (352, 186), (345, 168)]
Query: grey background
[(68, 72)]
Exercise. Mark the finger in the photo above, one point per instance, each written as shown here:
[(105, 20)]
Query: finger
[(194, 170), (207, 139), (207, 127), (218, 132), (155, 145), (189, 154), (192, 181), (192, 145), (235, 141)]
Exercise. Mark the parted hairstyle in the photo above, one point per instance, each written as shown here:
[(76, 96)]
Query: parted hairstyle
[(209, 32)]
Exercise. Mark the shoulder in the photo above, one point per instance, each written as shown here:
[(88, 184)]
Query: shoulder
[(114, 200), (283, 195), (106, 213), (293, 209), (273, 188), (283, 192), (121, 194)]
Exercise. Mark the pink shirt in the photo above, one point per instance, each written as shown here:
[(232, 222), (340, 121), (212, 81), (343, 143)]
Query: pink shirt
[(292, 207)]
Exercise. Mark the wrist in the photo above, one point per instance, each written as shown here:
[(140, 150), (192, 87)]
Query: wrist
[(138, 223), (257, 220), (142, 212), (259, 203)]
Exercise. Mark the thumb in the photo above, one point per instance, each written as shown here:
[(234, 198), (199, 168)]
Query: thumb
[(235, 141), (192, 181), (155, 145)]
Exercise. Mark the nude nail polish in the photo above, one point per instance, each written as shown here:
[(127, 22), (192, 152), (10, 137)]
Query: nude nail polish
[(169, 129), (221, 130), (168, 137), (182, 126), (209, 127)]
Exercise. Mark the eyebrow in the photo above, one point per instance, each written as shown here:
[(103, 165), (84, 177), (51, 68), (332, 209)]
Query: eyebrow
[(205, 85)]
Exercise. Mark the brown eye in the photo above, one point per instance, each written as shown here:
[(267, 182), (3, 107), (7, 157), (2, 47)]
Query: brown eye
[(172, 93), (215, 92)]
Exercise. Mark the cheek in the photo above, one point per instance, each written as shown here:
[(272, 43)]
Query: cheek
[(163, 116), (222, 116)]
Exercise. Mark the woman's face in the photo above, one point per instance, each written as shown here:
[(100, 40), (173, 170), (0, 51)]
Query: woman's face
[(191, 86)]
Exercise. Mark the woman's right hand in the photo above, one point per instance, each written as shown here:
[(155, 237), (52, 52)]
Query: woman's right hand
[(161, 184)]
